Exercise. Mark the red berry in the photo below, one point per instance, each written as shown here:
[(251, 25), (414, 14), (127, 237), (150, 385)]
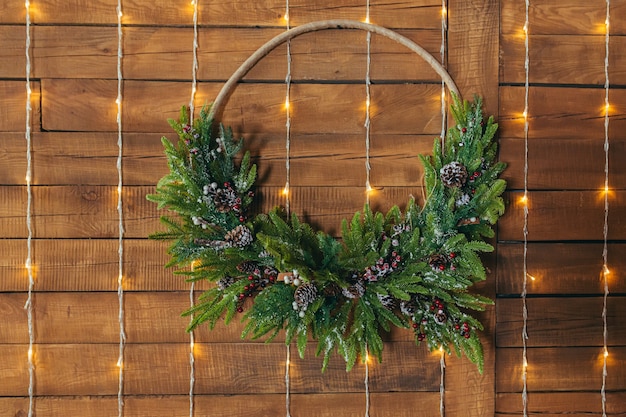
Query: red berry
[(242, 219), (250, 278), (432, 308), (442, 267), (452, 255), (226, 184), (464, 130), (240, 309), (415, 325), (242, 296), (473, 191)]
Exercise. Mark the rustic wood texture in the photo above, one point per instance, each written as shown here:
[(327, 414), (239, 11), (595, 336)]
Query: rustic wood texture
[(75, 219)]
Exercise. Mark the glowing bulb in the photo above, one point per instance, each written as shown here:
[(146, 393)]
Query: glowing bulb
[(525, 114), (441, 349), (444, 11), (525, 364), (524, 199), (286, 190), (119, 363), (606, 270), (30, 353), (119, 14), (525, 28), (118, 100), (287, 103), (367, 19), (27, 264), (286, 17), (27, 4), (191, 344), (367, 103), (606, 352), (532, 277), (120, 278), (368, 187), (606, 23), (193, 2)]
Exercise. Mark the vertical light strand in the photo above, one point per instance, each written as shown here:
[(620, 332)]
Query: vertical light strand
[(367, 382), (525, 227), (443, 54), (444, 124), (286, 190), (605, 268), (442, 383), (288, 115), (194, 83), (194, 65), (120, 250), (368, 97), (29, 200)]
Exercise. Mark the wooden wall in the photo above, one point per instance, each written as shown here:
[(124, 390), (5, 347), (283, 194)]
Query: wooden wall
[(75, 219)]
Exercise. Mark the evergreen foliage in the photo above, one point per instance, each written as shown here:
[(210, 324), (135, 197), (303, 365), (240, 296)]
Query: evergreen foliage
[(409, 269)]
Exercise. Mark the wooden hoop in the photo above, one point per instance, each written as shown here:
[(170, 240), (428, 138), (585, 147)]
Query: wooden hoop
[(265, 49)]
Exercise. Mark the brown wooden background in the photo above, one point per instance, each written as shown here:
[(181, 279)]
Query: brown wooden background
[(74, 49)]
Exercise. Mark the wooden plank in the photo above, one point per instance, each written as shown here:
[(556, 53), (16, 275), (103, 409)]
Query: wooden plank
[(223, 368), (562, 216), (88, 105), (584, 156), (560, 268), (12, 55), (558, 404), (580, 17), (561, 59), (473, 63), (317, 160), (243, 405), (88, 265), (559, 322), (12, 110), (550, 369), (560, 112)]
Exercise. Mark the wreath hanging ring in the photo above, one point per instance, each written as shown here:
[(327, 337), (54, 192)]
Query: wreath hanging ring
[(410, 268)]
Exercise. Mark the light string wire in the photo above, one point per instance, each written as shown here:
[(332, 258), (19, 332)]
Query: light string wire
[(368, 169), (29, 200), (444, 125), (605, 269), (368, 97), (443, 55), (120, 250), (286, 190), (525, 227), (194, 82), (288, 115)]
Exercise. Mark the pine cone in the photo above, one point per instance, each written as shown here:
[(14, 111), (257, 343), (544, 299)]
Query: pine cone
[(408, 308), (224, 200), (240, 237), (387, 301), (438, 262), (440, 317), (354, 291), (453, 175), (332, 290), (248, 267), (225, 282), (305, 294)]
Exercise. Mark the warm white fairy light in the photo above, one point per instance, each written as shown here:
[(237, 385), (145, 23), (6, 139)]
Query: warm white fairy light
[(287, 382), (605, 268), (120, 278), (29, 200), (524, 201)]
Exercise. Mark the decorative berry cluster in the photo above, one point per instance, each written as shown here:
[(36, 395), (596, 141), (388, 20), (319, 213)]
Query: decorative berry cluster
[(257, 281)]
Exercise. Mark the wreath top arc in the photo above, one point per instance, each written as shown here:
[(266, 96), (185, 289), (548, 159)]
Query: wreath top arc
[(410, 268)]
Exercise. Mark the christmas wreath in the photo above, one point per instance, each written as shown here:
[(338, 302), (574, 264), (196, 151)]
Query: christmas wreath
[(410, 268)]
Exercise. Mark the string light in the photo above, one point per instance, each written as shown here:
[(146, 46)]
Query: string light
[(194, 65), (194, 83), (525, 227), (120, 279), (442, 389), (605, 268), (442, 54), (29, 244), (368, 101), (285, 191), (367, 382)]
